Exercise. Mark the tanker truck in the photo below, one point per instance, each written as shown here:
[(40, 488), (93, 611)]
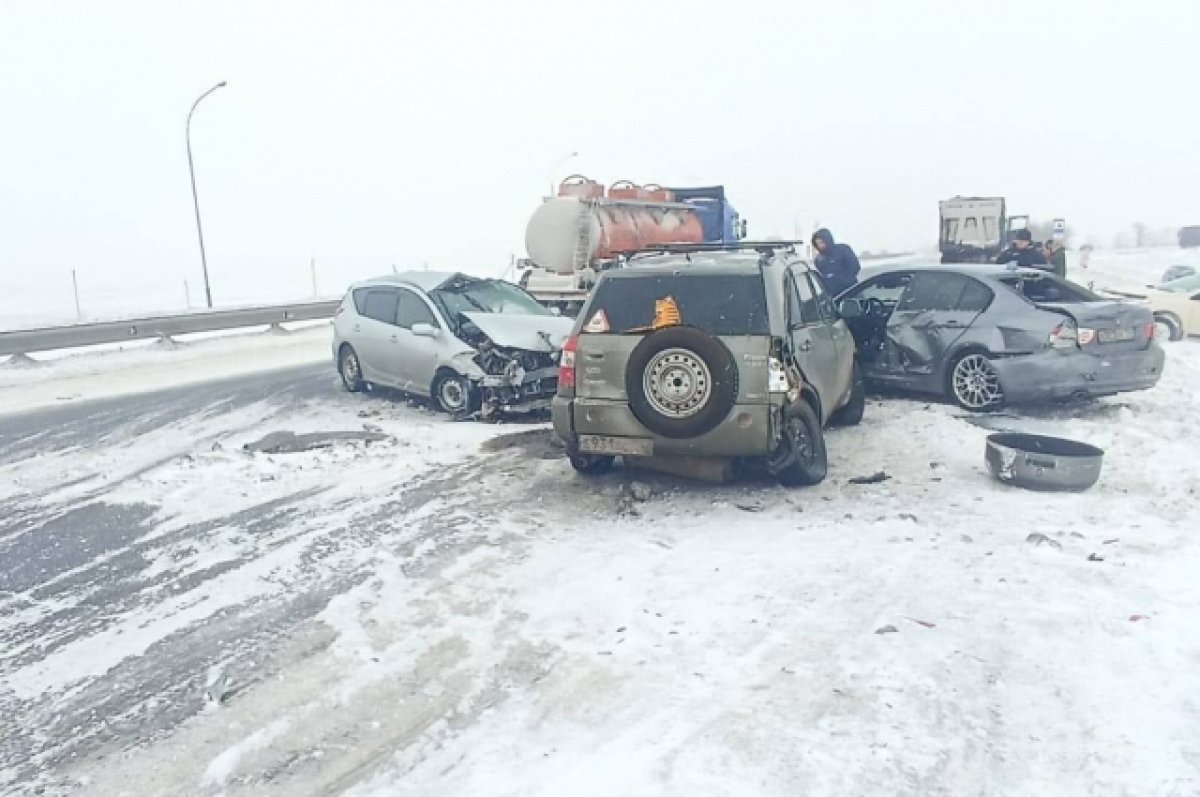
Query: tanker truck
[(585, 228)]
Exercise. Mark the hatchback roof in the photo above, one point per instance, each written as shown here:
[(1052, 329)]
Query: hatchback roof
[(425, 280)]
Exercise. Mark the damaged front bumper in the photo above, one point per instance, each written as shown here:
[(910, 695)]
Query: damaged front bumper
[(518, 390)]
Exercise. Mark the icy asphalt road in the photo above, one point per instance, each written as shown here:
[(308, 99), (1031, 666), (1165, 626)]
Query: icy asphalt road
[(453, 612)]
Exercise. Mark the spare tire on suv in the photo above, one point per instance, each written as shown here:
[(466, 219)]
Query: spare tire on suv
[(681, 382)]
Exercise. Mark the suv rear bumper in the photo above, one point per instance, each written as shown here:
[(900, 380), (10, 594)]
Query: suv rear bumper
[(745, 432)]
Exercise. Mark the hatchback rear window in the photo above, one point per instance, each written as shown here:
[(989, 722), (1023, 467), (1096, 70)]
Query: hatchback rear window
[(720, 304)]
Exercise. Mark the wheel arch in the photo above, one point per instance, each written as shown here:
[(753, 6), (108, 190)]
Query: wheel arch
[(1174, 318)]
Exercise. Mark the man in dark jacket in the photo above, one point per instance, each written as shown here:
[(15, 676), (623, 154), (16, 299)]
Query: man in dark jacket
[(1023, 253), (1056, 254), (836, 262)]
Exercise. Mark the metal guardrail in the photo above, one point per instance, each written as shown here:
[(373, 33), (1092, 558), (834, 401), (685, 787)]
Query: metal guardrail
[(25, 341)]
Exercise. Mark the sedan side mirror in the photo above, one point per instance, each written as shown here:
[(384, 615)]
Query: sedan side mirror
[(850, 308), (425, 330)]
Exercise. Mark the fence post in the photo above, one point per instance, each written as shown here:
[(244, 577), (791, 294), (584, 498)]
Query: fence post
[(75, 285)]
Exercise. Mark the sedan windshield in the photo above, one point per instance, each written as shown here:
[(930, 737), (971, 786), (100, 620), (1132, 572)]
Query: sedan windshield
[(1181, 285), (485, 296)]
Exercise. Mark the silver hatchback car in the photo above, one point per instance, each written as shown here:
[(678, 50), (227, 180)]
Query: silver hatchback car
[(470, 345)]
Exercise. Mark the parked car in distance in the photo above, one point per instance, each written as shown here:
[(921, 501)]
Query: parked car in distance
[(730, 352), (467, 344), (1175, 305), (986, 335)]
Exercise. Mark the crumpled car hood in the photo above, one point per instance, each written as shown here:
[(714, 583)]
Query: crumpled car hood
[(543, 333)]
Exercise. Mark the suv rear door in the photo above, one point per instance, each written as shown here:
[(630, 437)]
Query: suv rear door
[(622, 308)]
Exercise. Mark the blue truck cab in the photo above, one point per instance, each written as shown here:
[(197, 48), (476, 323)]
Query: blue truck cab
[(718, 218)]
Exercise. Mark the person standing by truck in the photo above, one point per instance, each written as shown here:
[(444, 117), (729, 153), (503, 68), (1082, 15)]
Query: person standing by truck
[(836, 262), (1023, 253), (1056, 253)]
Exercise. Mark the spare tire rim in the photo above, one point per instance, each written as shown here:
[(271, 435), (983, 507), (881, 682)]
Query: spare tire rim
[(678, 383), (976, 383)]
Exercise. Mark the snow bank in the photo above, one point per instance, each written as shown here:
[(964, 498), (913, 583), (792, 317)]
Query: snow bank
[(149, 366)]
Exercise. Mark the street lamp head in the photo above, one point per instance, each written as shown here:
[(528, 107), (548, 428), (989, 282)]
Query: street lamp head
[(221, 85)]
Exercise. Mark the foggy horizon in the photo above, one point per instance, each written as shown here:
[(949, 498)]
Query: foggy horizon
[(384, 133)]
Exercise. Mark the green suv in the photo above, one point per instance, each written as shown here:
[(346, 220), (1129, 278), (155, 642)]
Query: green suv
[(730, 352)]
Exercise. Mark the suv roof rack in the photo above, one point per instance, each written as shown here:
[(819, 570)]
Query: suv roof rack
[(763, 247)]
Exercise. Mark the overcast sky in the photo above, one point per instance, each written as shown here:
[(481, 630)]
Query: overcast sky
[(371, 133)]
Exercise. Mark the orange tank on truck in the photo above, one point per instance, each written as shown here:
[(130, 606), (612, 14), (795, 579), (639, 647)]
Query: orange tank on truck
[(586, 225)]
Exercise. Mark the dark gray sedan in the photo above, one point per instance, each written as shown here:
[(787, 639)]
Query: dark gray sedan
[(986, 335)]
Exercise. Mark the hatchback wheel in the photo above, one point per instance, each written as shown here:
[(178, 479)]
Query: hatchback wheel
[(454, 394), (974, 383), (351, 370)]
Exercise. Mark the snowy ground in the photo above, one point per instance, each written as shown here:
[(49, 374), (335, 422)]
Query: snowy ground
[(452, 611)]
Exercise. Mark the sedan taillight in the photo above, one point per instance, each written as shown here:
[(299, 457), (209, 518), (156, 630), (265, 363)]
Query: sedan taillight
[(1065, 336), (566, 364)]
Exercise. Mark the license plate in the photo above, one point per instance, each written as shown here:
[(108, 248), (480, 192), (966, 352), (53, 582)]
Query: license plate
[(1116, 335), (621, 446)]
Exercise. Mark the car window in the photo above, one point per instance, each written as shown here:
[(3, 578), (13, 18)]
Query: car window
[(887, 288), (806, 310), (380, 305), (720, 304), (824, 303), (360, 300), (1039, 288), (976, 297), (413, 310), (933, 291)]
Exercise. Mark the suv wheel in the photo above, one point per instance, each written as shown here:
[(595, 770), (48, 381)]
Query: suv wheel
[(681, 382), (801, 460), (590, 464), (852, 413)]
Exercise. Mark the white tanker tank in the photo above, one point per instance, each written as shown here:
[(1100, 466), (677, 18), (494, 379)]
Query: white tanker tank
[(584, 226)]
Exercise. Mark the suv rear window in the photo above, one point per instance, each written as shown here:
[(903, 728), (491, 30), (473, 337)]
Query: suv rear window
[(719, 304)]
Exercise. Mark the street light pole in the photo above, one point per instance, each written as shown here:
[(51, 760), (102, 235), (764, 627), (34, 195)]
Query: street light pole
[(558, 164), (195, 200)]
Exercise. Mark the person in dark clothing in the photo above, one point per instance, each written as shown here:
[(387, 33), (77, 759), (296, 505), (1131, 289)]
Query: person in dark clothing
[(1056, 253), (1023, 253), (837, 263)]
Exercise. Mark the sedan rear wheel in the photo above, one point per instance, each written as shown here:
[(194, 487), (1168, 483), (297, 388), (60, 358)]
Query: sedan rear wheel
[(974, 383)]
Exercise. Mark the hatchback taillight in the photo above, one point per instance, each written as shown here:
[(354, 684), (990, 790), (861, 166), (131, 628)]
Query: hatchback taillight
[(566, 364)]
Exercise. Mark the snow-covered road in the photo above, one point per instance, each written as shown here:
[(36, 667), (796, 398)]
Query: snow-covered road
[(452, 611)]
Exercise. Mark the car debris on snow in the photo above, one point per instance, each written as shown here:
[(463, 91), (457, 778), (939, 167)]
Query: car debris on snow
[(875, 478), (887, 629), (1037, 538), (640, 492), (286, 442)]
